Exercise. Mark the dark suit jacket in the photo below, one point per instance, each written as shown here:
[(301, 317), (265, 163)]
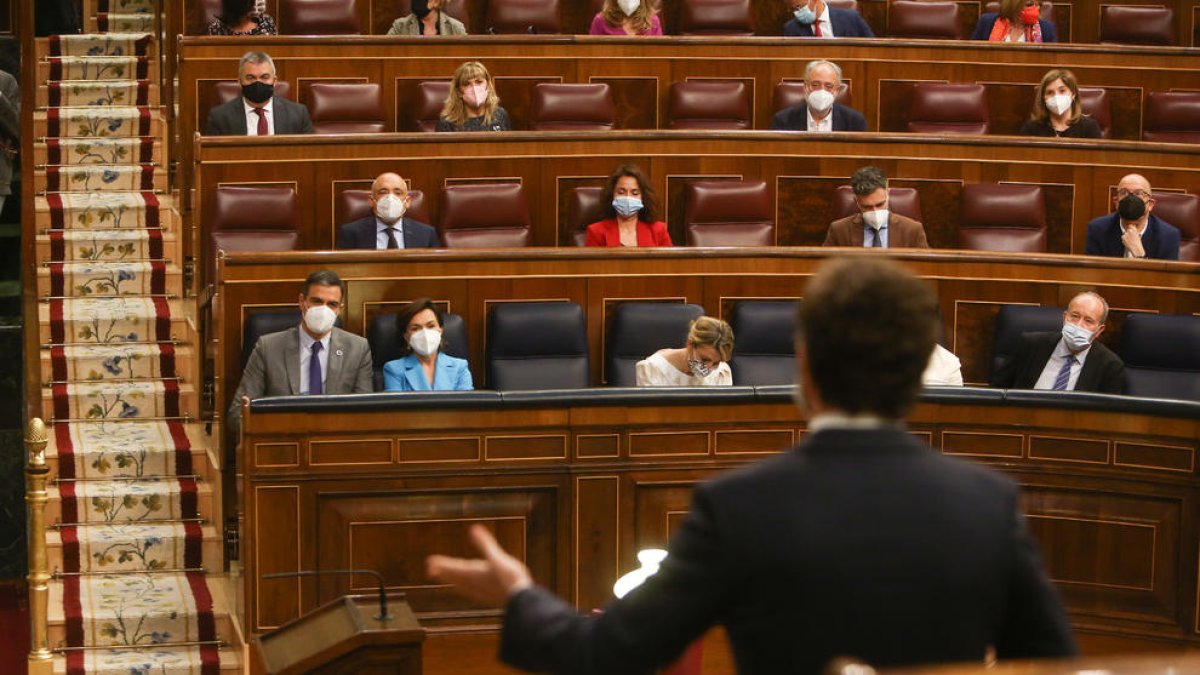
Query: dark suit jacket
[(846, 23), (1102, 372), (856, 542), (1161, 239), (983, 29), (362, 233), (795, 118), (229, 118), (903, 232)]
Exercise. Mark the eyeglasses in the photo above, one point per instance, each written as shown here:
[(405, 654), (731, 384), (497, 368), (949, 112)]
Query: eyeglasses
[(1122, 193)]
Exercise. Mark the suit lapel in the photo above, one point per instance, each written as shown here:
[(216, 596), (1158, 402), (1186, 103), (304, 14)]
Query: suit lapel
[(239, 117), (291, 362), (1043, 350), (415, 375), (856, 231), (333, 376), (1150, 239)]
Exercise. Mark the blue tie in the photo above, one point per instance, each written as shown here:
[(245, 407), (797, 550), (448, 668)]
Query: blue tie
[(878, 241), (314, 370), (1060, 382)]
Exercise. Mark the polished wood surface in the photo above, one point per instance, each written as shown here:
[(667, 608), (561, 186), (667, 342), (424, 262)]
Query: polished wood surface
[(575, 489)]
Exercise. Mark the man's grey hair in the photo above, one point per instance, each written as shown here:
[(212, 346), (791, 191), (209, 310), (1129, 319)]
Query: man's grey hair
[(812, 65), (1099, 298), (256, 58), (867, 180)]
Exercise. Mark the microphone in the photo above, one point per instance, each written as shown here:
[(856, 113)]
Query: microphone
[(383, 608), (491, 30), (531, 30)]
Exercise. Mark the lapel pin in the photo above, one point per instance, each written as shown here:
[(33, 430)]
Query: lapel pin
[(338, 352)]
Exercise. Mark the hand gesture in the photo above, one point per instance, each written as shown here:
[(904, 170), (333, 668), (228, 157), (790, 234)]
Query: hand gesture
[(489, 580), (1133, 241)]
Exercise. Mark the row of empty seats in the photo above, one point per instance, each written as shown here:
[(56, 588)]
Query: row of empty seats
[(993, 217), (919, 19), (936, 107), (543, 345)]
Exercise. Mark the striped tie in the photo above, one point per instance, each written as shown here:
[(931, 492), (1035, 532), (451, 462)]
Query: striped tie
[(1064, 375)]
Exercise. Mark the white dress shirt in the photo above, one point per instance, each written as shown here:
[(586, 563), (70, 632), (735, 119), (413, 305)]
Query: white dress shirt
[(306, 343), (825, 24), (1055, 364), (869, 234), (825, 125), (943, 369), (252, 118), (381, 235)]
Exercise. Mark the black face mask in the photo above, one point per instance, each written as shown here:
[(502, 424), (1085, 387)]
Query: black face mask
[(258, 92), (420, 8), (1131, 207)]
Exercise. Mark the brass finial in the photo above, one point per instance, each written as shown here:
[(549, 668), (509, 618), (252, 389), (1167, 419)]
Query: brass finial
[(36, 440)]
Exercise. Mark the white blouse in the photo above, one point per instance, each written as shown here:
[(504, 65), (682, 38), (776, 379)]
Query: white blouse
[(656, 371)]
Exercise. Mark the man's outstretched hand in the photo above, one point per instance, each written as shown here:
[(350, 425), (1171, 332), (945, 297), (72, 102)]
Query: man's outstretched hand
[(489, 580)]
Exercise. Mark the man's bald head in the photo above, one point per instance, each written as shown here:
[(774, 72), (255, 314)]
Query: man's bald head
[(1134, 182)]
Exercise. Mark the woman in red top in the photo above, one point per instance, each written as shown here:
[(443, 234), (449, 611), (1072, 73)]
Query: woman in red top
[(632, 209)]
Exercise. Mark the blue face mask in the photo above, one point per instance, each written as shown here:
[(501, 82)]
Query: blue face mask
[(805, 15), (626, 206)]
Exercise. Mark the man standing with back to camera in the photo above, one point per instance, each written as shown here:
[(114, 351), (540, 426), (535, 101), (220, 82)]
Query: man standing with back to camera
[(859, 542)]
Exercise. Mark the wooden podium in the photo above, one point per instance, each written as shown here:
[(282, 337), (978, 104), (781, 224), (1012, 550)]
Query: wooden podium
[(345, 636)]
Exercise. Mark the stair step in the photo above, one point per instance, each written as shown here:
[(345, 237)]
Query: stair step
[(135, 399), (113, 321), (109, 501), (127, 6), (93, 93), (107, 245), (109, 178), (106, 21), (126, 122), (136, 547), (99, 43), (104, 151), (156, 660), (132, 449), (97, 68), (116, 362), (100, 211), (105, 279)]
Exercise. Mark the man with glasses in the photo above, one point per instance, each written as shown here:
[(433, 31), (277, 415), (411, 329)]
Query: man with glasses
[(1132, 231), (313, 358), (819, 112)]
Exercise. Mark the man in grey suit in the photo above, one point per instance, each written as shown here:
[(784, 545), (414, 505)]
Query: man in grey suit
[(313, 358), (387, 227), (258, 111)]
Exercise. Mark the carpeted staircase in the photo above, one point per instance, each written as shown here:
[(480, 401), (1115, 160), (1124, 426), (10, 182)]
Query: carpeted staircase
[(133, 541)]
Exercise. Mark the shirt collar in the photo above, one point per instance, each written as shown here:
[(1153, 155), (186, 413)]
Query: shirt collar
[(306, 340), (814, 122), (380, 226), (268, 107), (823, 17), (1061, 350), (839, 420)]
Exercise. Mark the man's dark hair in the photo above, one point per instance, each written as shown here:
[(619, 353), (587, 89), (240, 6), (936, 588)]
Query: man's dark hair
[(324, 278), (406, 314), (867, 180), (867, 327)]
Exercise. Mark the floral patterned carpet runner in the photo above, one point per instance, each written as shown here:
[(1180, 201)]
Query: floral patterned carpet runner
[(131, 542)]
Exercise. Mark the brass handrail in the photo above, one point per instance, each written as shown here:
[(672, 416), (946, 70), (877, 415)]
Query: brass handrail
[(36, 472)]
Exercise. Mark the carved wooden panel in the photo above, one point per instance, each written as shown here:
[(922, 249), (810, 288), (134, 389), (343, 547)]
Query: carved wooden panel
[(982, 444), (1065, 449), (277, 520), (597, 527)]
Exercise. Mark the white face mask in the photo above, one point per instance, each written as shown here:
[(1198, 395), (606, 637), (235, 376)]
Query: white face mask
[(876, 219), (629, 6), (1059, 104), (425, 341), (476, 95), (389, 208), (819, 101), (319, 319), (1077, 337)]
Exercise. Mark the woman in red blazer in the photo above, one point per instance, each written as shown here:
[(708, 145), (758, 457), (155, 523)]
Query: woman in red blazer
[(632, 208)]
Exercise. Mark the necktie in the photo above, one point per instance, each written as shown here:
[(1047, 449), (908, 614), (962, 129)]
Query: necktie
[(314, 370), (391, 237), (1060, 382), (262, 122), (877, 242), (817, 27)]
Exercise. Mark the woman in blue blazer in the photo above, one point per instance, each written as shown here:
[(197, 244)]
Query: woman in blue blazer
[(424, 367)]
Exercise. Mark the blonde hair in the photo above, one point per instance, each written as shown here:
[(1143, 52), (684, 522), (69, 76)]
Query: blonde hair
[(709, 332), (455, 109), (640, 20), (1041, 113)]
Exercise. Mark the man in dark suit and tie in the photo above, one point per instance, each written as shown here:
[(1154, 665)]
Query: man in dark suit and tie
[(387, 227), (315, 357), (860, 541), (258, 111), (814, 18), (1132, 231), (874, 226), (1070, 360), (819, 112)]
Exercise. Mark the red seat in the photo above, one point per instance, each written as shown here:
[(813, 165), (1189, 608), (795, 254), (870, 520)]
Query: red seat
[(924, 20), (431, 98), (728, 213), (790, 93), (253, 218), (938, 107), (573, 107), (904, 201), (318, 17), (1172, 117), (539, 17), (584, 207), (352, 205), (1094, 102), (1182, 211), (715, 17), (1003, 217), (346, 108), (1137, 25), (709, 104), (485, 215)]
